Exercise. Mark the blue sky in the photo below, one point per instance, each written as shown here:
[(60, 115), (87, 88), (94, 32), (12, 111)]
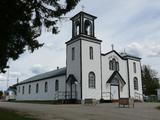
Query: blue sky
[(133, 25)]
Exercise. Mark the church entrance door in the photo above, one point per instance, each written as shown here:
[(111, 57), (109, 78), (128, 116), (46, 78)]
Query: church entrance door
[(115, 92)]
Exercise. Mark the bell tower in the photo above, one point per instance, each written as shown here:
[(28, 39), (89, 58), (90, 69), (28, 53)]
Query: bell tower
[(83, 24), (83, 58)]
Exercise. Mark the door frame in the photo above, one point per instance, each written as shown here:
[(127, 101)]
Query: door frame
[(118, 90)]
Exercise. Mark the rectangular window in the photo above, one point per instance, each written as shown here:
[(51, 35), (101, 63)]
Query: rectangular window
[(134, 67), (91, 53), (73, 53)]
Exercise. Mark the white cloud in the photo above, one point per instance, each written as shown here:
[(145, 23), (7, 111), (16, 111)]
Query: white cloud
[(135, 49), (49, 45), (2, 77), (154, 51), (15, 74), (146, 49), (37, 69)]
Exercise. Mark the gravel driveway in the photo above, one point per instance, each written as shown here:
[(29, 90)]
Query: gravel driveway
[(108, 111)]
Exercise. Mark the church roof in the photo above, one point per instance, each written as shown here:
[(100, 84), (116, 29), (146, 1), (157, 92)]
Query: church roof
[(117, 75), (123, 56), (126, 55), (50, 74), (71, 78), (82, 12)]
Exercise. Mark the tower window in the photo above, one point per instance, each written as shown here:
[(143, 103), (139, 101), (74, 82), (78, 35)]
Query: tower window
[(91, 80), (77, 28), (37, 88), (56, 85), (88, 27), (135, 83), (73, 53), (45, 87), (29, 89), (134, 67), (91, 53)]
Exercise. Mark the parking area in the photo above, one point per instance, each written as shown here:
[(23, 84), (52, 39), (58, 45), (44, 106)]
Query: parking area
[(107, 111)]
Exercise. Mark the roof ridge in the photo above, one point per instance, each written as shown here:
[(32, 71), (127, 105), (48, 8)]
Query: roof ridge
[(49, 74)]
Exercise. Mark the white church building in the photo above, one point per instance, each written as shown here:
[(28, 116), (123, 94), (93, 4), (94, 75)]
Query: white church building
[(88, 74)]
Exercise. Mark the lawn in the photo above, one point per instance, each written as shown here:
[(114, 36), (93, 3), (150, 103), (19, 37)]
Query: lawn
[(12, 115), (158, 107)]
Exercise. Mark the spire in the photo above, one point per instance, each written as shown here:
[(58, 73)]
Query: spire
[(124, 50)]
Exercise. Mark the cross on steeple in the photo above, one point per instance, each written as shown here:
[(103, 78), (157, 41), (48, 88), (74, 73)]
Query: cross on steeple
[(112, 47), (82, 7)]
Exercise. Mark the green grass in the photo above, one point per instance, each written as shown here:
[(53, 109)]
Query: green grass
[(12, 115), (158, 107)]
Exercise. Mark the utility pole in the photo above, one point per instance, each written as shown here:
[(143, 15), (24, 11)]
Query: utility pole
[(8, 75)]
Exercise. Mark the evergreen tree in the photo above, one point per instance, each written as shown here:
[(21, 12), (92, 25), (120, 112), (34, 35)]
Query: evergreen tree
[(150, 82), (21, 23)]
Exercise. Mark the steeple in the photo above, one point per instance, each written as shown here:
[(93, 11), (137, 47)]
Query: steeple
[(83, 24)]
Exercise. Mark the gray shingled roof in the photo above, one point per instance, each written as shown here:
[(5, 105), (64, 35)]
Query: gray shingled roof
[(50, 74), (126, 55)]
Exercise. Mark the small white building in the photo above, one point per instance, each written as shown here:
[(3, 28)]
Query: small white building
[(88, 72), (10, 94), (158, 94)]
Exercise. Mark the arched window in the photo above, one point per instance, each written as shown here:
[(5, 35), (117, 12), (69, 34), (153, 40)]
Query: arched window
[(91, 53), (114, 65), (110, 65), (117, 66), (91, 80), (45, 87), (56, 85), (29, 89), (19, 89), (77, 28), (135, 83), (88, 26), (23, 90), (37, 88)]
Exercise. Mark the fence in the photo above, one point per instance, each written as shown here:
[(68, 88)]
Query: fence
[(65, 95)]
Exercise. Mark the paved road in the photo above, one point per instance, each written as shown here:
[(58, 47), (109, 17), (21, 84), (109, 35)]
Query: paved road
[(109, 111)]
